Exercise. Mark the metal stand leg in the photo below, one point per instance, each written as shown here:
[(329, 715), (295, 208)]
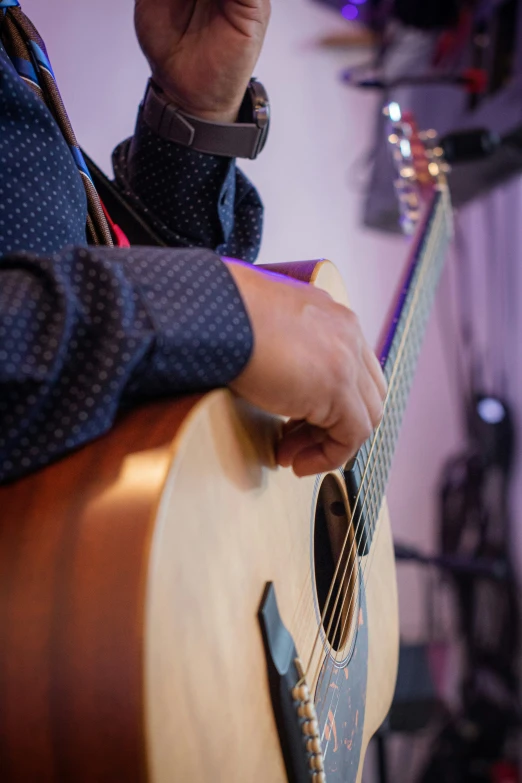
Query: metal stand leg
[(382, 763)]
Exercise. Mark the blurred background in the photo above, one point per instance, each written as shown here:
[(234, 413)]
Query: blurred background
[(327, 183)]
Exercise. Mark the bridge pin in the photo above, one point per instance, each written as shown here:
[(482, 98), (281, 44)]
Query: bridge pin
[(313, 745), (316, 762), (307, 710), (301, 693), (311, 728)]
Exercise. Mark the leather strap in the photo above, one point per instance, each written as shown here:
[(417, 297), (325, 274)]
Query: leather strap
[(240, 140)]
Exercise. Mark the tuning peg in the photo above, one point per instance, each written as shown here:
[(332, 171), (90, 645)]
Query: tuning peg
[(393, 111), (409, 199), (409, 221), (407, 173), (428, 135)]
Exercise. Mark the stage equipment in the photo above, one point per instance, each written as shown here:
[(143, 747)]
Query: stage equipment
[(481, 739), (478, 87)]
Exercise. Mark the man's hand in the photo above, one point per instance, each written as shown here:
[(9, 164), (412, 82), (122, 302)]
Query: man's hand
[(310, 363), (202, 52)]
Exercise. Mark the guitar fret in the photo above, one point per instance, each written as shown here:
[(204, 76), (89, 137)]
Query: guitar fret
[(375, 456)]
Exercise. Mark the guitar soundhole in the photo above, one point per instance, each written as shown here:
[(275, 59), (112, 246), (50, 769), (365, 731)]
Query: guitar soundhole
[(332, 529)]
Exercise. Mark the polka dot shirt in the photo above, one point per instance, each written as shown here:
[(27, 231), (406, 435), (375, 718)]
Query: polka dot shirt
[(190, 199), (85, 330)]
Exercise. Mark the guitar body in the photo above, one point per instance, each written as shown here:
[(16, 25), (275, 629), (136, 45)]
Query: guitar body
[(132, 575)]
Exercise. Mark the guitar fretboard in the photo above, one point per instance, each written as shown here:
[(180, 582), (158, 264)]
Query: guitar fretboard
[(367, 475)]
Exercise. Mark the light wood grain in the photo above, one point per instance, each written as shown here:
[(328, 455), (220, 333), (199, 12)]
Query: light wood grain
[(229, 521), (227, 524)]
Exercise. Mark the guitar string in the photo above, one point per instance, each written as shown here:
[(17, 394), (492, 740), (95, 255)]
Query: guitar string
[(379, 432), (382, 433), (409, 350), (351, 618), (432, 268), (355, 504), (364, 575)]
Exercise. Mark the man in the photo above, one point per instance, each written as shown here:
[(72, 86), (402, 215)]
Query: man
[(85, 329)]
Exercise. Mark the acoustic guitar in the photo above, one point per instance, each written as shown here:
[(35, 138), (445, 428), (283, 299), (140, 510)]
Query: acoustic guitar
[(174, 607)]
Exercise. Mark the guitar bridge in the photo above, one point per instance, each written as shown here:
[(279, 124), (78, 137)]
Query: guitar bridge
[(292, 702)]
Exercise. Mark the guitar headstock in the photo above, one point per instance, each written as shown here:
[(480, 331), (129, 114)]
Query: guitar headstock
[(419, 162)]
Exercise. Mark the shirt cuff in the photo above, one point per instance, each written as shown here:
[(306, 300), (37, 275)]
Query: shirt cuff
[(187, 196), (203, 336)]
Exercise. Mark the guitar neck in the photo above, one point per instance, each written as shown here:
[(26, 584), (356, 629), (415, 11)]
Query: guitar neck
[(367, 475)]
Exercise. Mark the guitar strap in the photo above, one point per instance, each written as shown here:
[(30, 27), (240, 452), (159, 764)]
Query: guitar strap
[(28, 54), (134, 229)]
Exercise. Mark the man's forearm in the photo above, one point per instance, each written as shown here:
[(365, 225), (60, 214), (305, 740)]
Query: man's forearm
[(101, 327)]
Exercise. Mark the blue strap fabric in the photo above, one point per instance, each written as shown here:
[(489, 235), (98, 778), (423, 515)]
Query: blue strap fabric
[(28, 54)]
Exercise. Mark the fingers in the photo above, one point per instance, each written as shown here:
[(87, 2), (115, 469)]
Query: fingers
[(298, 436), (374, 368), (373, 393), (319, 459), (310, 450), (311, 364)]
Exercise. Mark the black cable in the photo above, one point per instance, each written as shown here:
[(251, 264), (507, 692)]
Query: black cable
[(512, 281), (493, 293)]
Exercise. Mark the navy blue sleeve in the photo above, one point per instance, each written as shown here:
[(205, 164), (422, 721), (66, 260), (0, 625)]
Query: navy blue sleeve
[(88, 329), (83, 330), (190, 199)]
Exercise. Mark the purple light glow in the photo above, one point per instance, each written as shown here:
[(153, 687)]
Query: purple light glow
[(350, 12), (358, 2)]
